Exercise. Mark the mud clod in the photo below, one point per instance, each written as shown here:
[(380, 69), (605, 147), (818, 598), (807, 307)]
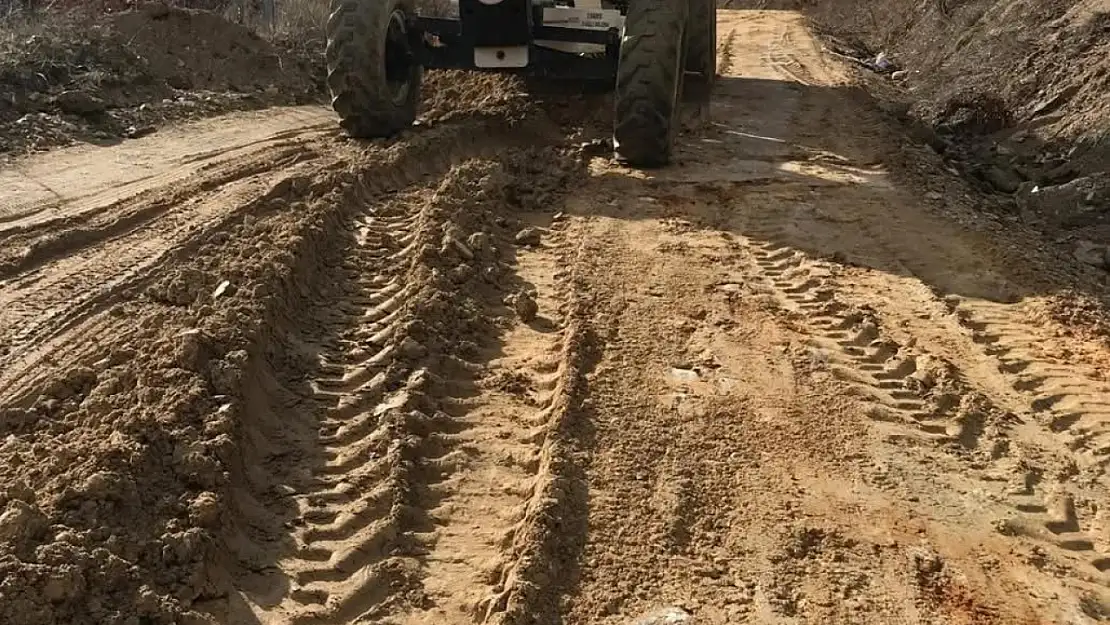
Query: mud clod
[(21, 522), (665, 616), (525, 306), (529, 236)]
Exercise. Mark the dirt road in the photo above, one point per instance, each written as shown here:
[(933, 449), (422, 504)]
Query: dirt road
[(252, 374)]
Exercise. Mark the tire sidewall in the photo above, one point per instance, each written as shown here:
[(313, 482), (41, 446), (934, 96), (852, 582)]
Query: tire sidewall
[(403, 111)]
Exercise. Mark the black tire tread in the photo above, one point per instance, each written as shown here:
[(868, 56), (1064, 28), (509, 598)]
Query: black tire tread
[(356, 69), (701, 51), (650, 58)]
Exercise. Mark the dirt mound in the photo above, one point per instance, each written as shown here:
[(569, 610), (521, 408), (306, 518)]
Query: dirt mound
[(988, 66), (201, 50), (67, 77)]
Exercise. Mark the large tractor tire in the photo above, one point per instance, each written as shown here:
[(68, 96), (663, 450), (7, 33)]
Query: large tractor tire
[(649, 81), (701, 41), (373, 74)]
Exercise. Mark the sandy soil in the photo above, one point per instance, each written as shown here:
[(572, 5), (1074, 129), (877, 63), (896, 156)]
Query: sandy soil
[(253, 374)]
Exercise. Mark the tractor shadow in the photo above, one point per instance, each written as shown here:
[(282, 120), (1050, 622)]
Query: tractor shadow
[(825, 171)]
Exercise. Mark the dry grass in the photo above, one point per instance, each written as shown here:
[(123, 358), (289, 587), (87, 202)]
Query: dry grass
[(301, 17), (298, 24)]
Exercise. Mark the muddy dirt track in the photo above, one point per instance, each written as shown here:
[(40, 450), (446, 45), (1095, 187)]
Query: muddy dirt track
[(253, 374)]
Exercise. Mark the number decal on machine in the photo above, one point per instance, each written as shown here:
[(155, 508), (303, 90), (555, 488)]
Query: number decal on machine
[(585, 19)]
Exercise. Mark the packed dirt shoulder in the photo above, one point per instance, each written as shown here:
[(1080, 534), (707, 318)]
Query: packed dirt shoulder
[(1015, 95), (76, 76)]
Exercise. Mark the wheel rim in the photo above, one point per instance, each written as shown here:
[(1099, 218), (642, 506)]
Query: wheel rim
[(399, 58)]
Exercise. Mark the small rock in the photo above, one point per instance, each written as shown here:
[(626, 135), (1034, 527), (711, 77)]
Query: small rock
[(1004, 527), (462, 273), (21, 521), (135, 132), (100, 485), (683, 374), (478, 242), (529, 236), (524, 305), (1079, 203), (79, 103), (221, 289), (1093, 254), (667, 616), (491, 274), (933, 195), (883, 63), (451, 242), (899, 75), (410, 348), (1004, 179), (205, 509)]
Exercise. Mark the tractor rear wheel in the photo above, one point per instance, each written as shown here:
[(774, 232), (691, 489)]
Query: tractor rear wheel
[(373, 74), (649, 82), (701, 41)]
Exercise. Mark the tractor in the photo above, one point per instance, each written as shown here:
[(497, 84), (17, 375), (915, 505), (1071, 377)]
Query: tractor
[(649, 50)]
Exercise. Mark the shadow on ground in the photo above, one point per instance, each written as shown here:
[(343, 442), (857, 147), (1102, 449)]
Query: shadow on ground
[(825, 171)]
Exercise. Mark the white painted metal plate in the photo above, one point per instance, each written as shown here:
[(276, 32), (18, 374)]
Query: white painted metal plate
[(582, 19), (514, 56)]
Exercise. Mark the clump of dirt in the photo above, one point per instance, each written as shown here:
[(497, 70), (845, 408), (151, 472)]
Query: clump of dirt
[(447, 95), (1075, 313), (74, 77)]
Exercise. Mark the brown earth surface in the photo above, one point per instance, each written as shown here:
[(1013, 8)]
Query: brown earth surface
[(251, 373), (81, 76), (1014, 94)]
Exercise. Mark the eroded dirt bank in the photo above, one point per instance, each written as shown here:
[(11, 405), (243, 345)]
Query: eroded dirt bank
[(1014, 95), (480, 374)]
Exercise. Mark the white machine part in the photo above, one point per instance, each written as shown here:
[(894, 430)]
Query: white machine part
[(585, 15)]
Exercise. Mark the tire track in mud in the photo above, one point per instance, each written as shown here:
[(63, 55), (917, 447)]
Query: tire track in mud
[(1053, 497), (1065, 399), (362, 497), (360, 492), (1073, 414), (424, 501), (545, 543), (44, 188), (779, 56), (25, 248), (920, 397)]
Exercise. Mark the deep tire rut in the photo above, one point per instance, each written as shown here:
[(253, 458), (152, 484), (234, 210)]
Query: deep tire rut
[(421, 499)]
